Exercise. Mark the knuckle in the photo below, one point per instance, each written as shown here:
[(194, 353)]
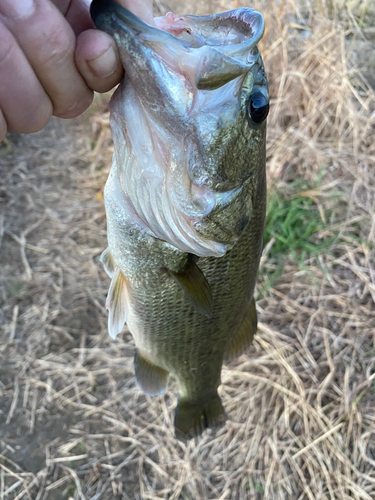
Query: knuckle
[(60, 47)]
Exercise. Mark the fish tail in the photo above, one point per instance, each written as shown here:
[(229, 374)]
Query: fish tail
[(192, 418)]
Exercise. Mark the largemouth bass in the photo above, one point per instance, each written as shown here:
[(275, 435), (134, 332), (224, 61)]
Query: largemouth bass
[(186, 198)]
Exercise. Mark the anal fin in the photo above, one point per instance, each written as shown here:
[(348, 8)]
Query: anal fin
[(244, 335), (196, 288), (152, 379), (192, 418)]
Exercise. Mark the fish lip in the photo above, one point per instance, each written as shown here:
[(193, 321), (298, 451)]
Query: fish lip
[(251, 18), (109, 16), (102, 11)]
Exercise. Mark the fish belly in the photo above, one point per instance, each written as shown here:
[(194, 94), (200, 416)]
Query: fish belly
[(171, 335)]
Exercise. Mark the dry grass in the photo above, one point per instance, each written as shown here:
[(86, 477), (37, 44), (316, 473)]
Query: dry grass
[(300, 403)]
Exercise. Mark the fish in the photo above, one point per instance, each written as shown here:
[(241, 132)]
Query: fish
[(186, 199)]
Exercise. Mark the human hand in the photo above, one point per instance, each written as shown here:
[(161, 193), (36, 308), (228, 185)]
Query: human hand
[(51, 60)]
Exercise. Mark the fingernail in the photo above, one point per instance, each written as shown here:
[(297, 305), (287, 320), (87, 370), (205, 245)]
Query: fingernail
[(104, 65), (16, 8)]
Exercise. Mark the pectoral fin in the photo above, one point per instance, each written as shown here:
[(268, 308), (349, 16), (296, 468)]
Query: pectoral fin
[(151, 379), (117, 303), (245, 334), (196, 288)]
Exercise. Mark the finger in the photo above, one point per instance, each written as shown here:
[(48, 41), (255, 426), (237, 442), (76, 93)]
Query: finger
[(98, 61), (96, 53), (3, 126), (25, 106), (76, 12), (49, 43)]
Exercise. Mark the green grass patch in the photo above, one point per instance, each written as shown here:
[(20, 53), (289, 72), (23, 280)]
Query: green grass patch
[(296, 223), (257, 485), (79, 449), (15, 288)]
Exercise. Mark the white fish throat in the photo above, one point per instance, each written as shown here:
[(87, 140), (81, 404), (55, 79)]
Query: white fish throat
[(150, 189)]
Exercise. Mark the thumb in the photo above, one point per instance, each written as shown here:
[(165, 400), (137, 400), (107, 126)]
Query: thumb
[(96, 54)]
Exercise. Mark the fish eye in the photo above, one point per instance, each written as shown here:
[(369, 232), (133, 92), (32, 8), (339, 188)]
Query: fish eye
[(258, 107)]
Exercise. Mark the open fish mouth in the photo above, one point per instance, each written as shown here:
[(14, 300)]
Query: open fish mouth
[(210, 50)]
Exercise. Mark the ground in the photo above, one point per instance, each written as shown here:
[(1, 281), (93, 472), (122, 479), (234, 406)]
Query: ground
[(300, 403)]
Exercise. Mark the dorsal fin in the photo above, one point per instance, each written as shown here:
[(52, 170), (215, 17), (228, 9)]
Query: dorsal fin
[(195, 286), (244, 335), (117, 303), (107, 261)]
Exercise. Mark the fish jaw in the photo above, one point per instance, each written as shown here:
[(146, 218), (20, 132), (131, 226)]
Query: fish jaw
[(208, 50)]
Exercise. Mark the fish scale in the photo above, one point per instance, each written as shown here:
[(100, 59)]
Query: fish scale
[(161, 310)]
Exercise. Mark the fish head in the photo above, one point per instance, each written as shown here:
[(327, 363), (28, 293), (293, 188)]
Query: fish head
[(188, 122)]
